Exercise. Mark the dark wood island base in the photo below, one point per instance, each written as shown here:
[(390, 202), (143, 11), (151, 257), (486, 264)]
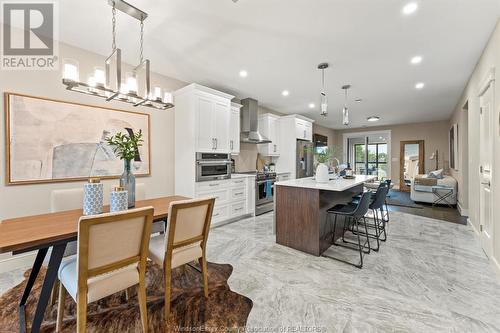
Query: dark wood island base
[(301, 218)]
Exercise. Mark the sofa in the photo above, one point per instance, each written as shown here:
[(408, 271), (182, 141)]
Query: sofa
[(421, 188)]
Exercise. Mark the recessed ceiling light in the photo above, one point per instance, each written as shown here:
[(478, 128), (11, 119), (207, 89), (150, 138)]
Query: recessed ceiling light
[(410, 8), (312, 105), (416, 60), (420, 85), (285, 93), (373, 118), (243, 73), (358, 100)]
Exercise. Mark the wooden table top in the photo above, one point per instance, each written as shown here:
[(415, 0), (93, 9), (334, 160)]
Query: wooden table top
[(24, 233)]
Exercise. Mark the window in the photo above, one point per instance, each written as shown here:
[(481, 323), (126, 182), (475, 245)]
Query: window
[(377, 160)]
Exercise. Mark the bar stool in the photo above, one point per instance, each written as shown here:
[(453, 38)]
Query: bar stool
[(377, 206), (353, 215)]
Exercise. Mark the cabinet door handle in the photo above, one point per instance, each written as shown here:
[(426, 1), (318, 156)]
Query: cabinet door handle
[(216, 143), (239, 193), (231, 145), (212, 185), (304, 134), (274, 148), (213, 143)]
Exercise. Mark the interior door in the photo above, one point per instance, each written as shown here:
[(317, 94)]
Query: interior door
[(485, 170), (205, 110), (411, 162), (221, 127)]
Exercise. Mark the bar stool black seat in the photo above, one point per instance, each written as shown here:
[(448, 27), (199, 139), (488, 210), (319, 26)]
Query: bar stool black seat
[(354, 214), (377, 206)]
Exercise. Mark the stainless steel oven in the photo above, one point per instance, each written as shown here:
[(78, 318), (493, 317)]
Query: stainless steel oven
[(264, 192), (212, 166)]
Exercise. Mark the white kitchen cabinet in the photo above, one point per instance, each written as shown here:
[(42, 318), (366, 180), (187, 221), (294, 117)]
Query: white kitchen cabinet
[(303, 129), (269, 126), (234, 129), (220, 129)]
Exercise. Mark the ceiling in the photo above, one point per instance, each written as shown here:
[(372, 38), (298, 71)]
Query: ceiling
[(368, 44)]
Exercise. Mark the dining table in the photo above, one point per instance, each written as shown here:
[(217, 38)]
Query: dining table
[(53, 231)]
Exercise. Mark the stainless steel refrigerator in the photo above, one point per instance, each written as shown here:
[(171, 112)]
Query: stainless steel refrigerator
[(305, 159)]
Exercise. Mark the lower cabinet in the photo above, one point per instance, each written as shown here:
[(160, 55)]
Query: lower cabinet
[(231, 198)]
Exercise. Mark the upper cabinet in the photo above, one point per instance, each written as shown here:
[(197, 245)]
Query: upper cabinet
[(208, 112), (234, 129), (269, 126), (303, 129)]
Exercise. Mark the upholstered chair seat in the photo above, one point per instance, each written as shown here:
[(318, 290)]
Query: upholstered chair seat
[(184, 241)]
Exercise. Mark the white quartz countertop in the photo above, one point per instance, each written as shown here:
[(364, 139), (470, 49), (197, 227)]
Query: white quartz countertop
[(337, 185)]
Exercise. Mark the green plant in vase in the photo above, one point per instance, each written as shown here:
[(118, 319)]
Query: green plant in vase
[(125, 147)]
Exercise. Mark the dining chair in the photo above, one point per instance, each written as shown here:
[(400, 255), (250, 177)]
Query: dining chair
[(184, 241), (61, 200), (112, 255)]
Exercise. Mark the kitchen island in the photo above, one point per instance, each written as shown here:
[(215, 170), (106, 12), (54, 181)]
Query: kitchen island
[(300, 211)]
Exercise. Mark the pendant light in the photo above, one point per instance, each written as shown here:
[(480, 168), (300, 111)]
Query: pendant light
[(345, 110), (107, 82), (324, 99)]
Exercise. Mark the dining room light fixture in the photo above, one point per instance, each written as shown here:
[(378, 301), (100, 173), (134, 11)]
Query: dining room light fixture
[(345, 109), (323, 98), (106, 82)]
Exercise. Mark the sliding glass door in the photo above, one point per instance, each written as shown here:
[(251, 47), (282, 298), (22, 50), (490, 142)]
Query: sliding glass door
[(374, 163), (369, 154)]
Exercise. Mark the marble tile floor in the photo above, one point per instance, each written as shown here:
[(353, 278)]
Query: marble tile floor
[(428, 277)]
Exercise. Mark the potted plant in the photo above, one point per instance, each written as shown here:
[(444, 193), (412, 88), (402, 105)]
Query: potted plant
[(125, 147), (323, 156)]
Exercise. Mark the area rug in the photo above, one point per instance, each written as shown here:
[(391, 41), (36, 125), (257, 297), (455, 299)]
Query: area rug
[(223, 311), (401, 199)]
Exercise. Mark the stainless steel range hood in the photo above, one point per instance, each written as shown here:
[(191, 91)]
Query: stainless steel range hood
[(250, 122)]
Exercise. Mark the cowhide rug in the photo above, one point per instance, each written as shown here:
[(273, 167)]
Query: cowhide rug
[(224, 310)]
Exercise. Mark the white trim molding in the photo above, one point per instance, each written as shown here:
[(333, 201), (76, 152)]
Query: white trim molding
[(472, 226), (487, 81), (462, 211)]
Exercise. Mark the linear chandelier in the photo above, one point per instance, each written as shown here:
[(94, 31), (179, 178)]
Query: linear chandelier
[(107, 82)]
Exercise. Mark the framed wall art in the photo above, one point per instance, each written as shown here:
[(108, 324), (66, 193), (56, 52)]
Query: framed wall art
[(55, 141)]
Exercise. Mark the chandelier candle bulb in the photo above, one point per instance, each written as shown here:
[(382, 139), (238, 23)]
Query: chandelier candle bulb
[(131, 83), (167, 98), (157, 94), (99, 76), (70, 71)]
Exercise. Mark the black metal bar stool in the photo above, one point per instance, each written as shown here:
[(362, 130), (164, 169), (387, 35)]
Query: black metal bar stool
[(354, 215)]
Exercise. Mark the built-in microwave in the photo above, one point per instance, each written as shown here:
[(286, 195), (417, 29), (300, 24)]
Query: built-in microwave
[(212, 166)]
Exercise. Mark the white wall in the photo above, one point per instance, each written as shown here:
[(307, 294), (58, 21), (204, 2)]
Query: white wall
[(490, 59), (21, 200)]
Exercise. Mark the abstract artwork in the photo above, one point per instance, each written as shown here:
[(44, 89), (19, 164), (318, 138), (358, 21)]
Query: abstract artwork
[(53, 141), (453, 146)]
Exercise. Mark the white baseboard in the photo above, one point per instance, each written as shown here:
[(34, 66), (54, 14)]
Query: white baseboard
[(462, 211), (496, 265), (16, 262), (472, 226)]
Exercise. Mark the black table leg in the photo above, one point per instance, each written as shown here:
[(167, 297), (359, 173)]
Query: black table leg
[(40, 256), (50, 277)]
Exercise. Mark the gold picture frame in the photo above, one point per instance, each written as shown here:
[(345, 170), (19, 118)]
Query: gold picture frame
[(49, 140)]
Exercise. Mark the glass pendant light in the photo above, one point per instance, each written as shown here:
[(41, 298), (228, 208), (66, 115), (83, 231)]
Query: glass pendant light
[(345, 110), (324, 99)]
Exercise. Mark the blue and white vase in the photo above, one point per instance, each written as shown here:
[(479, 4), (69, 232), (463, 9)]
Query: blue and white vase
[(118, 199), (93, 197)]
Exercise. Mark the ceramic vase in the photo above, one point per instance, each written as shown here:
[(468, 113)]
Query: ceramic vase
[(118, 200), (93, 195), (322, 174)]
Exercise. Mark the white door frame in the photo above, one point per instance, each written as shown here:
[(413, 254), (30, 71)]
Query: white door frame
[(386, 133), (488, 84)]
